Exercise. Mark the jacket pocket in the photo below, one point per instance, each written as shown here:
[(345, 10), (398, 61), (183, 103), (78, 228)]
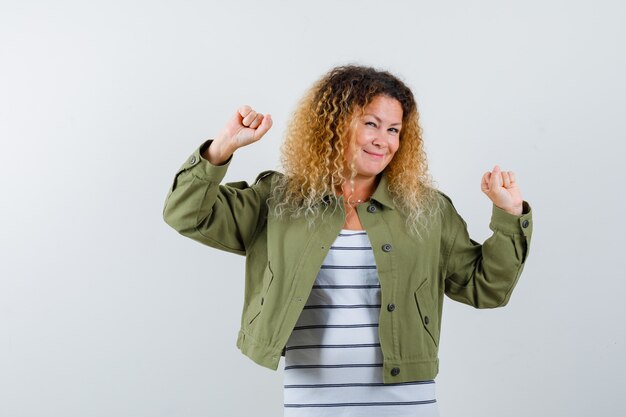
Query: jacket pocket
[(260, 298), (428, 313)]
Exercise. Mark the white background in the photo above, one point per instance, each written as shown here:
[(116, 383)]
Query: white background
[(106, 311)]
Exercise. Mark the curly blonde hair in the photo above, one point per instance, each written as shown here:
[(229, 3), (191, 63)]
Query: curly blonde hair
[(312, 154)]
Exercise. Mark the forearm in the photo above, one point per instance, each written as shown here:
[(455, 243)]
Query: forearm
[(219, 152), (484, 275), (193, 192), (225, 216)]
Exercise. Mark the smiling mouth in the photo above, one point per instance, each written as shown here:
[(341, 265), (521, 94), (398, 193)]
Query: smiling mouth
[(375, 155)]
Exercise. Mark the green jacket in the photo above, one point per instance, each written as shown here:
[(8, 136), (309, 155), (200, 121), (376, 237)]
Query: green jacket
[(283, 257)]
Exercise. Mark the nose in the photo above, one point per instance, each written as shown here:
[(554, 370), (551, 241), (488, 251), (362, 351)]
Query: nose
[(379, 141)]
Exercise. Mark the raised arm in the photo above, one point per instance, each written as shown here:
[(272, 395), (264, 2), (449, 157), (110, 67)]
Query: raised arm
[(484, 275), (222, 216)]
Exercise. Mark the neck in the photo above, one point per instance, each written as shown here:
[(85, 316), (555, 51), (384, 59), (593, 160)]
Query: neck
[(362, 191)]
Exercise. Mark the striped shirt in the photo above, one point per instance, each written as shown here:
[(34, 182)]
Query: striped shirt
[(333, 360)]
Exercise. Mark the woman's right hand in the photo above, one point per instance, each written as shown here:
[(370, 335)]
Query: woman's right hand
[(245, 127)]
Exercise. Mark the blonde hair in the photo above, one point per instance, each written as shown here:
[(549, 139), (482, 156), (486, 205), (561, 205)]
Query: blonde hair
[(313, 152)]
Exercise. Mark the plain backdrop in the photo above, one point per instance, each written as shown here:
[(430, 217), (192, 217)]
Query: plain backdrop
[(106, 311)]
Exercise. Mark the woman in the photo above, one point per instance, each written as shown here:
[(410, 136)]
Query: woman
[(349, 251)]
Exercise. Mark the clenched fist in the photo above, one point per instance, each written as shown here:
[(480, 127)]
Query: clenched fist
[(245, 127), (502, 190)]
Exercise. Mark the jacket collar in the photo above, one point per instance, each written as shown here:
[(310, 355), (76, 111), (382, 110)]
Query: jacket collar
[(382, 194)]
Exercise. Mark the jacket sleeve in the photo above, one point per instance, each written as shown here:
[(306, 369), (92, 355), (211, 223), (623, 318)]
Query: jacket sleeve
[(484, 275), (225, 217)]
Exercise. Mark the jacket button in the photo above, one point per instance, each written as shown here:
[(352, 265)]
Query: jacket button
[(371, 208), (426, 320), (387, 247), (395, 371), (525, 224), (192, 159), (391, 307)]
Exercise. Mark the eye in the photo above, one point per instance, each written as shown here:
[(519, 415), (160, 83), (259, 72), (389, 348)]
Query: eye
[(393, 130), (370, 124)]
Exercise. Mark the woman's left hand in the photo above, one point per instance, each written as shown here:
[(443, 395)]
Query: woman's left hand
[(502, 190)]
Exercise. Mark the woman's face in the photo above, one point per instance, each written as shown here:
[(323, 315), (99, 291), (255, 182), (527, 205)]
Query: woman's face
[(377, 137)]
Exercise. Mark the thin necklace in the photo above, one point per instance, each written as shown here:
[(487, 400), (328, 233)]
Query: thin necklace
[(356, 202)]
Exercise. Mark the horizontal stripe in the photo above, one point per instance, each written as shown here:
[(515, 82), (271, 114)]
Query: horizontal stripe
[(341, 365), (362, 404), (353, 234), (337, 316), (336, 336), (408, 393), (359, 384), (350, 248), (343, 306), (344, 296), (335, 326), (348, 266), (347, 277), (334, 375), (355, 346), (341, 287)]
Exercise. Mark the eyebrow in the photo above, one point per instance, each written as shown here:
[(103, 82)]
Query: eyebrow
[(379, 120)]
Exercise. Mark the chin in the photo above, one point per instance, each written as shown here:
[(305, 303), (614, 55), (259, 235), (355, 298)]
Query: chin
[(369, 173), (374, 170)]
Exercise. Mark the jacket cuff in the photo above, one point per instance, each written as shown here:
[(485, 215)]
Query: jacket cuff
[(511, 224), (202, 168)]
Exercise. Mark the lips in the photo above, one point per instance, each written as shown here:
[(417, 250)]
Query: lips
[(375, 155)]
